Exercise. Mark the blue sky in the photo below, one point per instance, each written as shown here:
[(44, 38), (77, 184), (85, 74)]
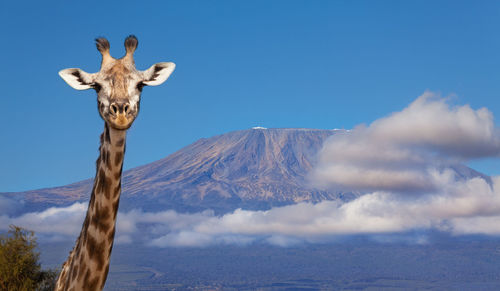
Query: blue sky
[(313, 64)]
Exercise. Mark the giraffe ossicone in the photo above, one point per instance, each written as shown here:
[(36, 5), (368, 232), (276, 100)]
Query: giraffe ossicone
[(118, 85)]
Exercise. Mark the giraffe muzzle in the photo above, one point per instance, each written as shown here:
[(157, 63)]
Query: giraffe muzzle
[(119, 107), (121, 115)]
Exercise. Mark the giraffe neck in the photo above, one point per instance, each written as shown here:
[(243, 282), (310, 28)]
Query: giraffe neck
[(88, 263)]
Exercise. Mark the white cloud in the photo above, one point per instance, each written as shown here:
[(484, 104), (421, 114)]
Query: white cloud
[(477, 225), (54, 221), (430, 122), (183, 238), (400, 152), (462, 207)]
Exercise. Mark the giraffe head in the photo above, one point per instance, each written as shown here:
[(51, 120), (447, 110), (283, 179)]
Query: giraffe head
[(118, 84)]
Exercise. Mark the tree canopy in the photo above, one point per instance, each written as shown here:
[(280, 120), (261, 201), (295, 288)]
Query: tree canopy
[(19, 262)]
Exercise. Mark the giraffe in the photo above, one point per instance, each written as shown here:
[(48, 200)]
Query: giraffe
[(118, 85)]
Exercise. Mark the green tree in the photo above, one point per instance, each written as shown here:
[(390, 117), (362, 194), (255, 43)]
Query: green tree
[(47, 280), (19, 266)]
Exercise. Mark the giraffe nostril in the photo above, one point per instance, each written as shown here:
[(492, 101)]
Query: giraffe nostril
[(126, 108), (113, 108)]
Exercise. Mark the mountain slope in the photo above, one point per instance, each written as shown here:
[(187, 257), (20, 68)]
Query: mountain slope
[(255, 169), (252, 169)]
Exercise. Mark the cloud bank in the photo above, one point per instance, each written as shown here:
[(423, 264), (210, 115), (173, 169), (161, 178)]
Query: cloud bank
[(464, 207), (402, 151), (408, 165), (54, 223)]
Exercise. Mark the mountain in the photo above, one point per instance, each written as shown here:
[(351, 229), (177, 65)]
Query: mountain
[(256, 168)]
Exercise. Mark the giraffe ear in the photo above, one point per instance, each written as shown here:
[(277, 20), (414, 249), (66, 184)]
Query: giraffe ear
[(157, 74), (78, 79)]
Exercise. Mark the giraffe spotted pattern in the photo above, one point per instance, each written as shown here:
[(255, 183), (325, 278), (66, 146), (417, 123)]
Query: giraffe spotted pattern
[(118, 85), (88, 264)]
